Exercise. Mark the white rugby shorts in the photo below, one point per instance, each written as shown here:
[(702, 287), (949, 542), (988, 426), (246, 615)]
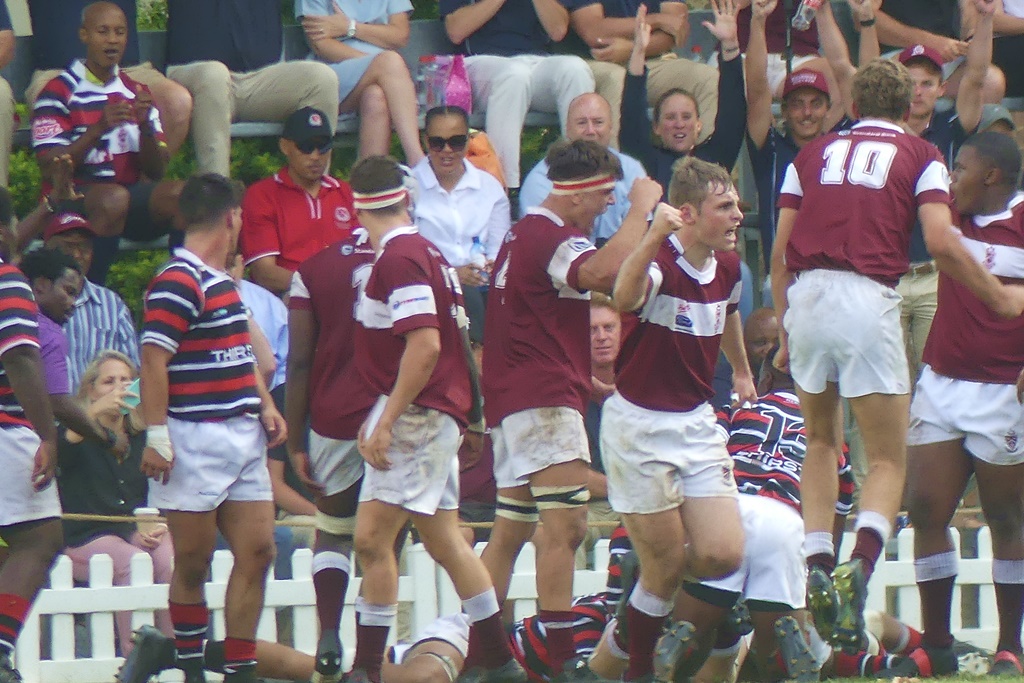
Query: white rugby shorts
[(19, 501), (424, 474), (773, 568), (336, 463), (452, 629), (845, 328), (214, 462), (535, 439), (655, 460), (986, 417)]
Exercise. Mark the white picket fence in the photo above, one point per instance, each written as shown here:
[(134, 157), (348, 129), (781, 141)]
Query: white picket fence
[(48, 654)]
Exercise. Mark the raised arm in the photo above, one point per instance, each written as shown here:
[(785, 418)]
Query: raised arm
[(833, 44), (979, 57), (723, 147), (600, 271), (635, 139), (634, 285), (759, 93)]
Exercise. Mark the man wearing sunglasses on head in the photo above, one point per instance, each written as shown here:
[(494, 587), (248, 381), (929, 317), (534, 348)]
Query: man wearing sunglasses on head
[(299, 210)]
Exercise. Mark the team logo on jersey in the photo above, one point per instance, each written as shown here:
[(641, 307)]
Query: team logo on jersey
[(315, 121), (990, 256), (44, 128), (1011, 440), (347, 249), (341, 214), (578, 244), (683, 321)]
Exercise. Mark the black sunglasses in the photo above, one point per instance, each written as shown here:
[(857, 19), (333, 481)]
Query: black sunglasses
[(314, 145), (456, 142)]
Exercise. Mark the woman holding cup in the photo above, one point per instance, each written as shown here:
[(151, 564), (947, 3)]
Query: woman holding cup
[(92, 480)]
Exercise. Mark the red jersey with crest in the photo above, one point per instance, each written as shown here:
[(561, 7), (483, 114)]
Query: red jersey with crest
[(968, 340), (282, 220), (538, 320), (328, 285), (858, 192), (411, 286), (768, 442), (668, 362)]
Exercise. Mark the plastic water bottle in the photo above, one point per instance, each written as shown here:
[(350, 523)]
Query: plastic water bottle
[(477, 258), (697, 54), (425, 82), (805, 14)]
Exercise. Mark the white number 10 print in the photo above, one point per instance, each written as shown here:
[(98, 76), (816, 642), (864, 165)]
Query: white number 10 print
[(869, 165)]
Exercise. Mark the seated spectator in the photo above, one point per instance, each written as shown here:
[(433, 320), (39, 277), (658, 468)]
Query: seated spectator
[(677, 121), (1009, 45), (94, 481), (7, 120), (937, 24), (227, 54), (589, 118), (358, 41), (100, 320), (106, 123), (299, 210), (606, 30), (804, 45), (56, 282), (55, 44), (457, 204), (510, 68)]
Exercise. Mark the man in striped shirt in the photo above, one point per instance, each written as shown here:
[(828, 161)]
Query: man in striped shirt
[(106, 122), (209, 417)]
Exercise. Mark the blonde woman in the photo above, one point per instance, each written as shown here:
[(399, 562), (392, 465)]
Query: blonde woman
[(93, 480)]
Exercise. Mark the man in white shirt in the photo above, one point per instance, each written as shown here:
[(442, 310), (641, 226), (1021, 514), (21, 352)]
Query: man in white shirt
[(589, 118)]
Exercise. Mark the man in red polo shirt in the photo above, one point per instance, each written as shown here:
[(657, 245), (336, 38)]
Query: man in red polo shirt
[(299, 210)]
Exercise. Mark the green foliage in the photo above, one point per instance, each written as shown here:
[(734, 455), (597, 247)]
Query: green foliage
[(152, 15), (424, 9), (131, 274), (25, 181)]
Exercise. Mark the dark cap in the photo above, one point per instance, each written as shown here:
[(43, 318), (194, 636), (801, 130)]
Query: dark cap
[(921, 52), (66, 222), (805, 78), (306, 124)]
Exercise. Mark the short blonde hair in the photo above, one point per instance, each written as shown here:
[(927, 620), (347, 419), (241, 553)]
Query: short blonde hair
[(694, 179), (92, 373), (882, 88)]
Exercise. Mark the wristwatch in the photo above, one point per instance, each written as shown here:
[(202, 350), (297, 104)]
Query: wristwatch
[(351, 29)]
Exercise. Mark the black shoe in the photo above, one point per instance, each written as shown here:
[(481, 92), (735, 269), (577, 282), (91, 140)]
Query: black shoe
[(153, 653), (1006, 663), (672, 649), (329, 654), (738, 620), (923, 662), (822, 602), (851, 587), (8, 674), (797, 659), (629, 574), (972, 660)]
